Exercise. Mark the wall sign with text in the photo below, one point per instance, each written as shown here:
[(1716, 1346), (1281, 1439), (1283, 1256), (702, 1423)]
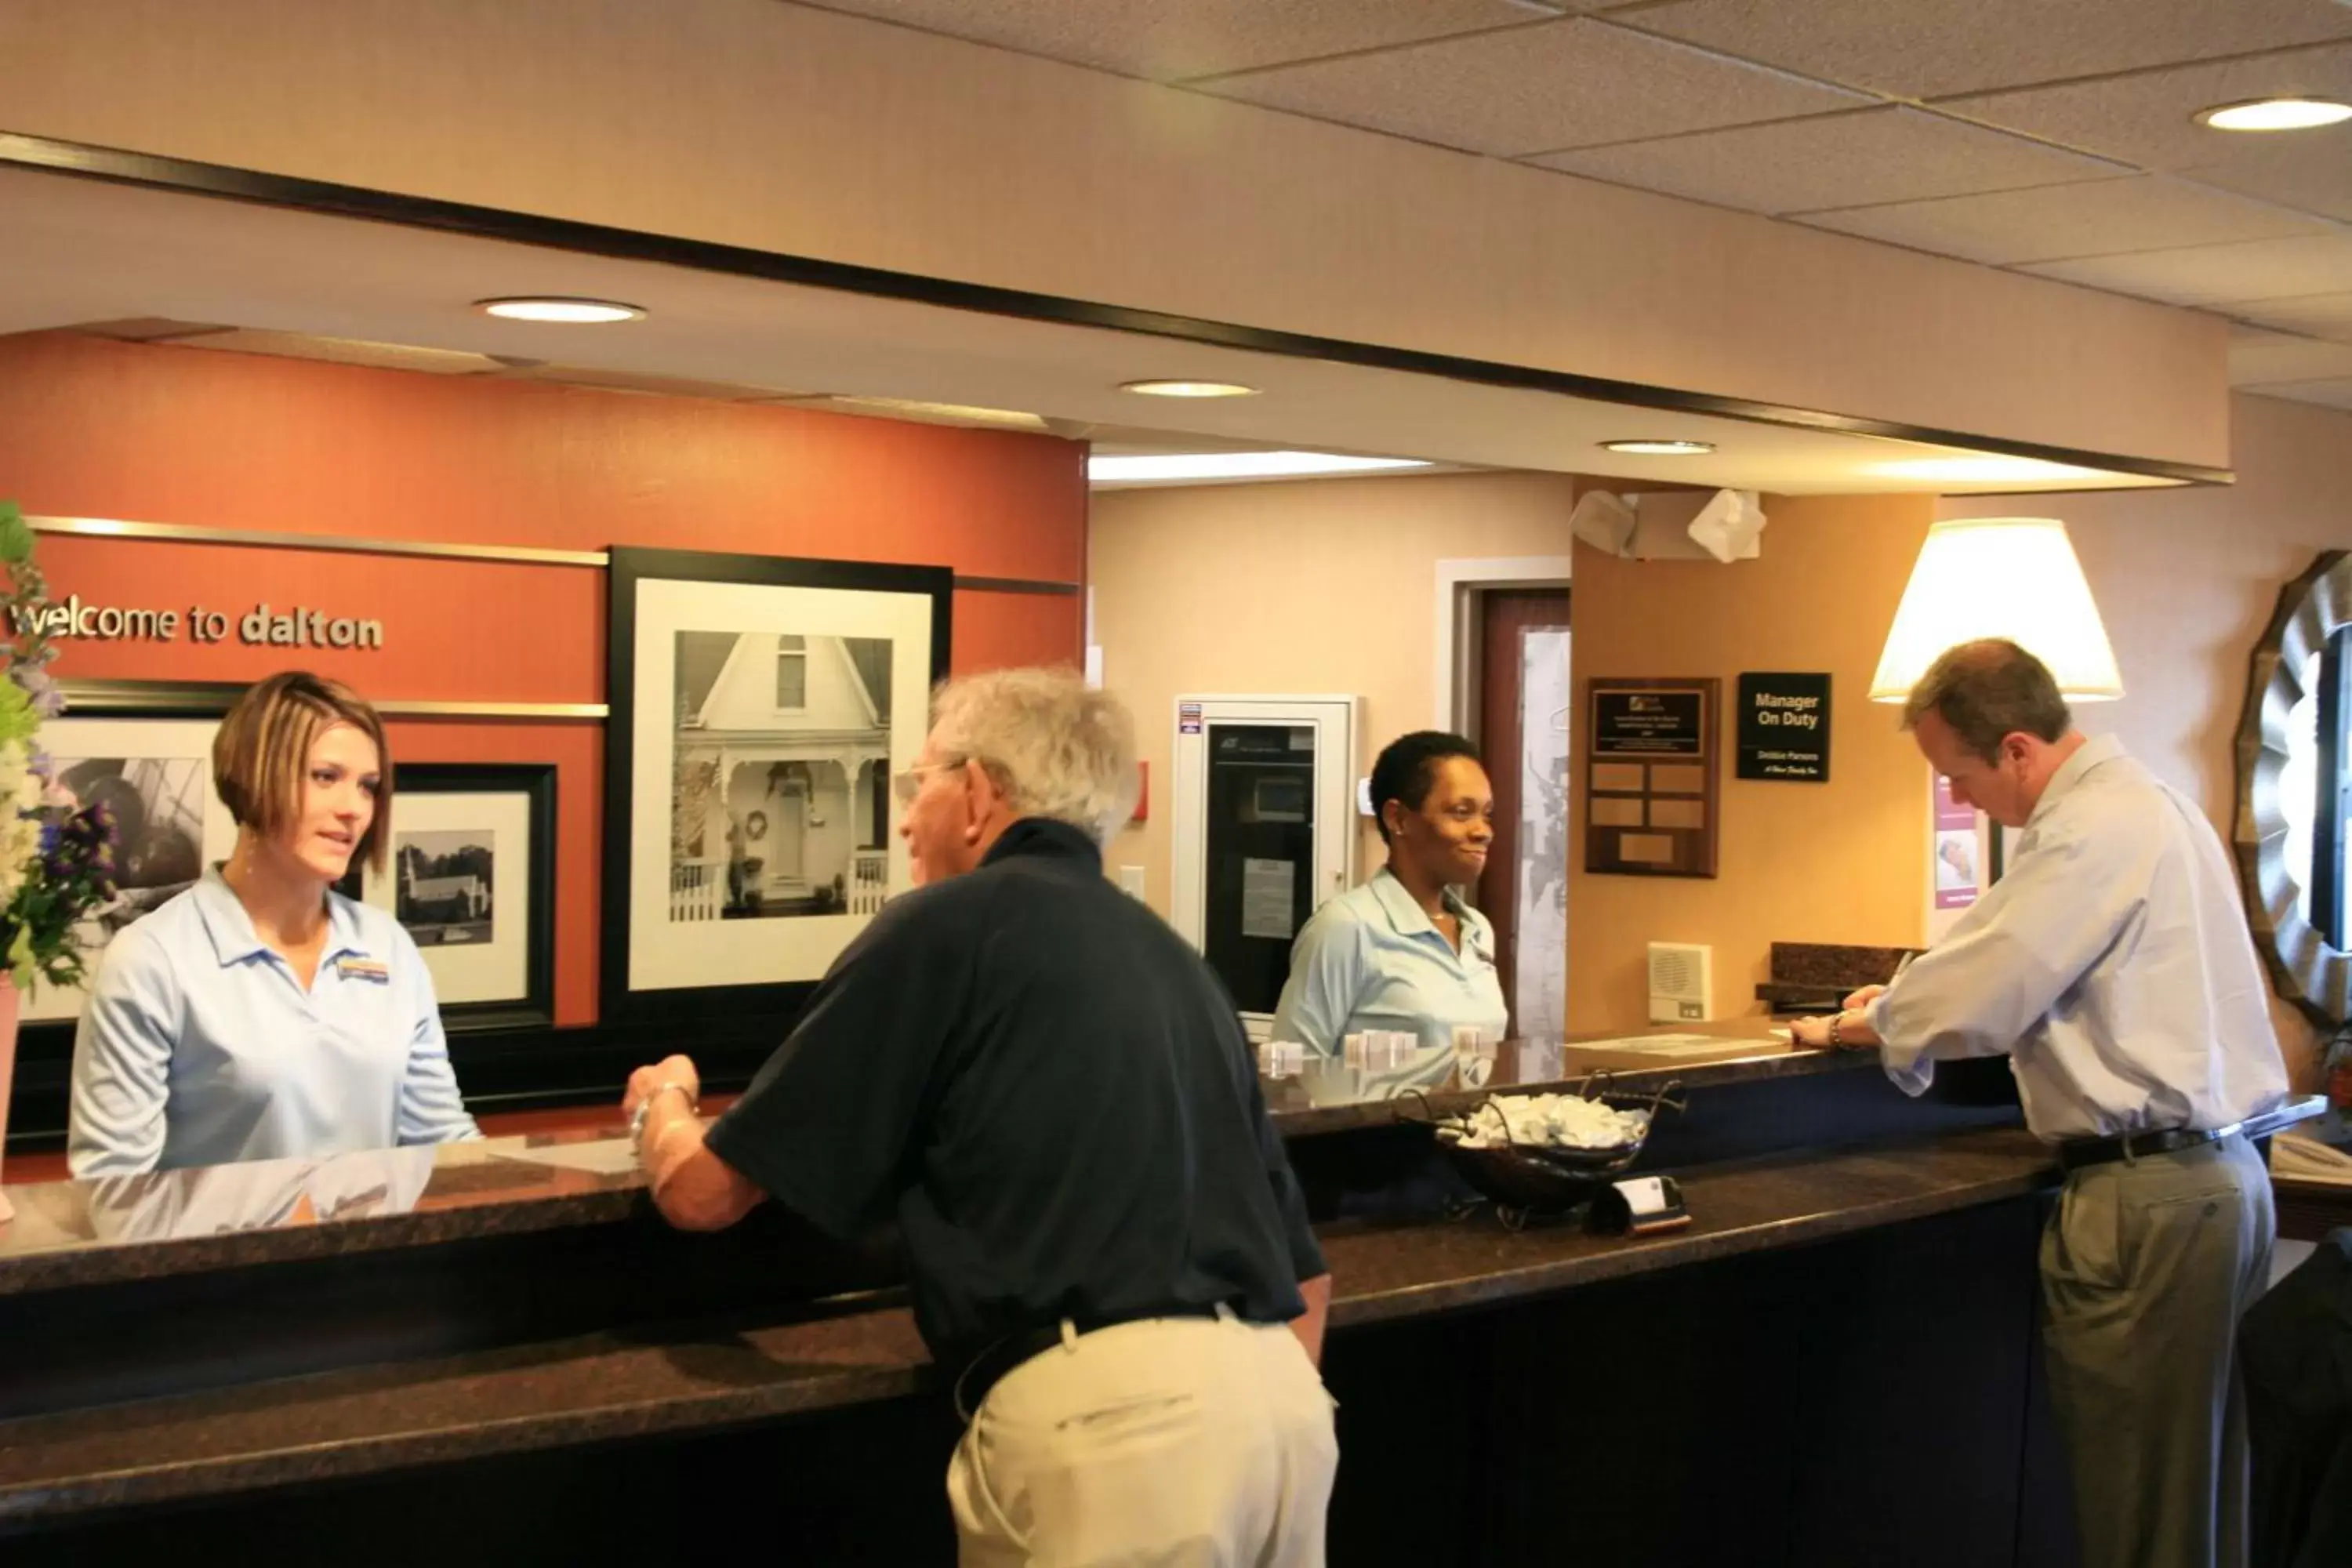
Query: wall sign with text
[(1651, 767), (1784, 726)]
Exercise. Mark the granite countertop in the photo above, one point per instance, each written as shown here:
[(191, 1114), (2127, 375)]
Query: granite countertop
[(641, 1381), (78, 1233)]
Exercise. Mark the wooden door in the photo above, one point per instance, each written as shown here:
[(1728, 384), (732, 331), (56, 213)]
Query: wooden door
[(1506, 615)]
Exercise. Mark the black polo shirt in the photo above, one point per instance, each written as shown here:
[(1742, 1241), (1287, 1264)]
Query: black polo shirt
[(1052, 1093)]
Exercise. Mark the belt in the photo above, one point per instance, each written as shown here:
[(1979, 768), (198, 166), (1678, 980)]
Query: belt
[(984, 1371), (2076, 1153)]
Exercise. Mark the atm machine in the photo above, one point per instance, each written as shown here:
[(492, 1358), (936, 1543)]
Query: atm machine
[(1264, 831)]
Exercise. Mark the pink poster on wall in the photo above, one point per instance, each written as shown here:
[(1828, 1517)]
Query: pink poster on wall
[(1955, 850)]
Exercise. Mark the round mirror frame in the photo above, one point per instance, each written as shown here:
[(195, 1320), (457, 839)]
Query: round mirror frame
[(2309, 972)]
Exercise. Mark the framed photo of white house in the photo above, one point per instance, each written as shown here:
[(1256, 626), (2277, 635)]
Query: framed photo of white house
[(156, 775), (758, 707), (470, 873)]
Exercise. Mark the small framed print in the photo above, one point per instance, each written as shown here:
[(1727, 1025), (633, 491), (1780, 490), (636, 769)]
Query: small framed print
[(469, 872), (146, 750)]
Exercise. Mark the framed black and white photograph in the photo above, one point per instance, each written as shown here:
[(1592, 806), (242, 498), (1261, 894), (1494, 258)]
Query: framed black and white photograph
[(759, 708), (469, 872), (156, 775)]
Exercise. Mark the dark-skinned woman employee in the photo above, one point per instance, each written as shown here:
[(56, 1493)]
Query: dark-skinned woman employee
[(1405, 950)]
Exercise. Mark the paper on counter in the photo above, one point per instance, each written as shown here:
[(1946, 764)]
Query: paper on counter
[(601, 1157), (1665, 1046)]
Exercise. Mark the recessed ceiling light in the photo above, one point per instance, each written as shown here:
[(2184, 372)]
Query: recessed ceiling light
[(1660, 447), (1980, 469), (551, 308), (1130, 470), (1188, 388), (2275, 114)]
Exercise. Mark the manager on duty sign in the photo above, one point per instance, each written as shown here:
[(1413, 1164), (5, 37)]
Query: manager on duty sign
[(1784, 726)]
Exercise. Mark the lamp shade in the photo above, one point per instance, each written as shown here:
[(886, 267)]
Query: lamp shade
[(2013, 577)]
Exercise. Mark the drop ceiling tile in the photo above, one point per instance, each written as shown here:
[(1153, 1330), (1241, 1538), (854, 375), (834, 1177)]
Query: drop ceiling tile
[(1536, 90), (1169, 41), (2334, 394), (2312, 172), (2312, 315), (1929, 48), (2052, 221), (2217, 274), (2259, 355), (1836, 160), (2147, 118)]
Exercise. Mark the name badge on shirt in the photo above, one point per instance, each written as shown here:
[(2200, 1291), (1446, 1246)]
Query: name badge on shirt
[(352, 966)]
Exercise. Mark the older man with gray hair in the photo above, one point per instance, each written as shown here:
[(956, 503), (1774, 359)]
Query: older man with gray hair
[(1053, 1096), (2113, 966)]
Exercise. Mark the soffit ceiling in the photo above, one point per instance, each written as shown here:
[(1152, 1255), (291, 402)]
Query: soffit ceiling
[(201, 273), (2050, 137)]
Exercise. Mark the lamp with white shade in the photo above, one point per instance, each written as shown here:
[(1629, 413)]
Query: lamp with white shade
[(2013, 577)]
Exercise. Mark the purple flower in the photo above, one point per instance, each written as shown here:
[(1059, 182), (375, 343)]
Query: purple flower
[(47, 699)]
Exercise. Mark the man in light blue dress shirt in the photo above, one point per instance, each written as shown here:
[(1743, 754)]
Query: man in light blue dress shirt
[(2113, 964), (1406, 952)]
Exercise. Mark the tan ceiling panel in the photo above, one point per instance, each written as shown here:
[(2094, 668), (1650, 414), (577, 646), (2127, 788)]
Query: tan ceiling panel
[(2054, 222), (2148, 118), (1537, 90), (2258, 355), (1930, 49), (2217, 274), (1169, 41), (2312, 173), (1836, 160), (2336, 394), (2314, 315)]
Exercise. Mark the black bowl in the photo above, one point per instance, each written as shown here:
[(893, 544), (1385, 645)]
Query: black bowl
[(1546, 1178)]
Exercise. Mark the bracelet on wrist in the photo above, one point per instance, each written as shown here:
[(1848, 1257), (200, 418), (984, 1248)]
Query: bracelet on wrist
[(1837, 1028), (645, 1106)]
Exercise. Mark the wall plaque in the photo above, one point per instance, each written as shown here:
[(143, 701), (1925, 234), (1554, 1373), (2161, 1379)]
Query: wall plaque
[(1651, 766), (1784, 726)]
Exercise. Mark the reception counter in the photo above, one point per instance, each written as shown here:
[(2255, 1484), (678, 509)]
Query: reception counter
[(504, 1336)]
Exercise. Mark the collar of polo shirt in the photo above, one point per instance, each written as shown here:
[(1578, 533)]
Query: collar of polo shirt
[(235, 939), (1410, 918)]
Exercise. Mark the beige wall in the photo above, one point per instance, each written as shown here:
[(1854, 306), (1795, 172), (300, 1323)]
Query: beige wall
[(793, 129), (1345, 572), (1325, 585), (1843, 861), (2186, 580)]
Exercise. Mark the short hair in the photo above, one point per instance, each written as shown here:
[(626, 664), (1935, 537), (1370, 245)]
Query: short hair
[(1986, 689), (1406, 770), (264, 746), (1055, 747)]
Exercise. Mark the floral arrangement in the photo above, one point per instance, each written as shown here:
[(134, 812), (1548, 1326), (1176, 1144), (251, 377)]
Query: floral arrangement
[(57, 857)]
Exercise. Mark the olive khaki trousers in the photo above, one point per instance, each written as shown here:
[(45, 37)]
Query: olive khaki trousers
[(2146, 1265), (1189, 1442)]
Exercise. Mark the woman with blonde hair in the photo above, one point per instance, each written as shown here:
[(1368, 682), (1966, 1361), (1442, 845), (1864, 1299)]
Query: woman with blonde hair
[(260, 1015)]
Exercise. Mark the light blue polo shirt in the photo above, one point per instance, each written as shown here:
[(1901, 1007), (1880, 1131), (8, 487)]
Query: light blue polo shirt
[(1370, 959), (198, 1047)]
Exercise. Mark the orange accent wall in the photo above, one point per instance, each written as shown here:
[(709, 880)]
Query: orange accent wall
[(91, 427), (162, 433)]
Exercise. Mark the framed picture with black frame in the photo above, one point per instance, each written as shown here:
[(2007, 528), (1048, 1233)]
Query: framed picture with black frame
[(145, 748), (759, 708), (469, 872)]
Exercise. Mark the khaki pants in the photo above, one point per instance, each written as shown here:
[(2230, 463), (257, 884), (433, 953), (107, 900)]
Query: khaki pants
[(2146, 1268), (1178, 1441)]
